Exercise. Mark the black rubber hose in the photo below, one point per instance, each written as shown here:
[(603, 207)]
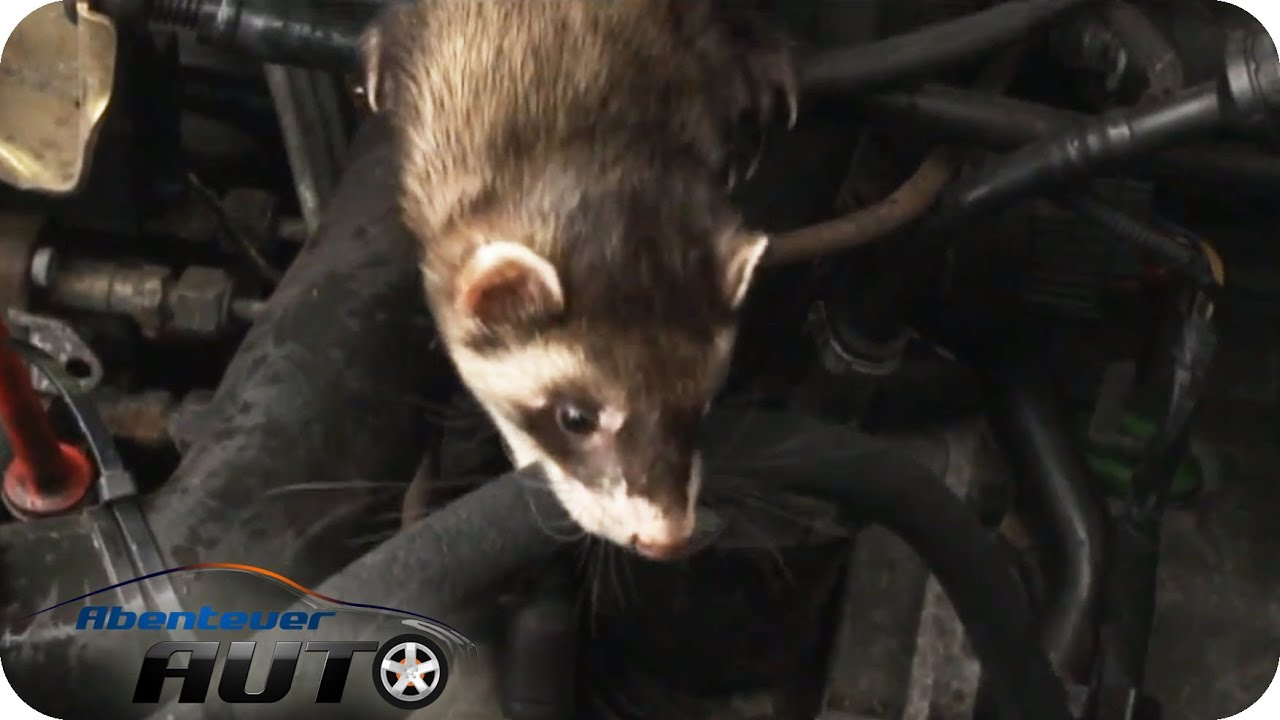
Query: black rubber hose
[(320, 415), (326, 34), (448, 565), (1247, 94), (472, 543), (1050, 468), (871, 481), (919, 52), (1003, 123), (878, 484), (1095, 146), (992, 121), (544, 623)]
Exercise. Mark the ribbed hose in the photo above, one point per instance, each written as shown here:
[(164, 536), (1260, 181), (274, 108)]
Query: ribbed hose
[(1096, 145), (178, 13)]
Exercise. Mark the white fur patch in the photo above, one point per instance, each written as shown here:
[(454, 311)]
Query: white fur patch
[(523, 375), (496, 254), (742, 268), (611, 419), (523, 447), (611, 513)]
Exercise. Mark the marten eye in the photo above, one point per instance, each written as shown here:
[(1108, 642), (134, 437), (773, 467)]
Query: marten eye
[(576, 419)]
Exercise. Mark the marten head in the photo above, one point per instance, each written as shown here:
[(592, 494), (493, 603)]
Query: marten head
[(562, 170)]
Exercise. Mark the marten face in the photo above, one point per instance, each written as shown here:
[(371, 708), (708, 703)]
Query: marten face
[(603, 387), (612, 416)]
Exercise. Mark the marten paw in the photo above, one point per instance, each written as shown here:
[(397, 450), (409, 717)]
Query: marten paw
[(767, 68), (767, 80), (771, 76)]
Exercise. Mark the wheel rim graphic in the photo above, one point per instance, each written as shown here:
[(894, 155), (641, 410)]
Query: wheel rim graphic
[(411, 671)]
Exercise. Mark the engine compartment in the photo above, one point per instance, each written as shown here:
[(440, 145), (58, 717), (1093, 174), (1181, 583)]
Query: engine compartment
[(1025, 257)]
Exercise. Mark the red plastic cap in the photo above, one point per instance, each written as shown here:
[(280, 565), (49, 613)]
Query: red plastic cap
[(29, 496)]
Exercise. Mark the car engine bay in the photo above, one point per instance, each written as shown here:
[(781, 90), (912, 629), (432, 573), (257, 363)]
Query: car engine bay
[(999, 439)]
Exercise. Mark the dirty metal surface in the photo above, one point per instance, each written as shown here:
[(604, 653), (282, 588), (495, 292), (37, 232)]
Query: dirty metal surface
[(56, 80)]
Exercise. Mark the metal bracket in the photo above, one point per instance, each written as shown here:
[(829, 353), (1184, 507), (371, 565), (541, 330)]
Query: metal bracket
[(63, 344), (117, 490)]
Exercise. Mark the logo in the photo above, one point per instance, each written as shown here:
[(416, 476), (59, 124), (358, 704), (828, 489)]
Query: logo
[(12, 13), (207, 652), (410, 672)]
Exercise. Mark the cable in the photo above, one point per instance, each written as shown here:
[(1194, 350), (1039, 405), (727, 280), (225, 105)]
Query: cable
[(911, 200), (246, 246), (1184, 257), (1130, 608), (903, 206)]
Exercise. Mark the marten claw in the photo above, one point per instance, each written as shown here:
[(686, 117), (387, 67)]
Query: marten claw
[(772, 74), (769, 70), (764, 71)]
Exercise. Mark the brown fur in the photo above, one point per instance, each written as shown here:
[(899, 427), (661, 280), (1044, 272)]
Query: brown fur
[(563, 118), (595, 133)]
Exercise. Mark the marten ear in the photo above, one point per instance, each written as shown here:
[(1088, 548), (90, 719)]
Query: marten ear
[(740, 256), (505, 284)]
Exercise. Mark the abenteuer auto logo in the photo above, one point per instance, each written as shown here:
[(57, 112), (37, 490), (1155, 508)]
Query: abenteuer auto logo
[(310, 649)]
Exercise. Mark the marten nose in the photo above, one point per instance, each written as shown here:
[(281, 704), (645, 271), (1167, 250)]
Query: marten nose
[(659, 550)]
